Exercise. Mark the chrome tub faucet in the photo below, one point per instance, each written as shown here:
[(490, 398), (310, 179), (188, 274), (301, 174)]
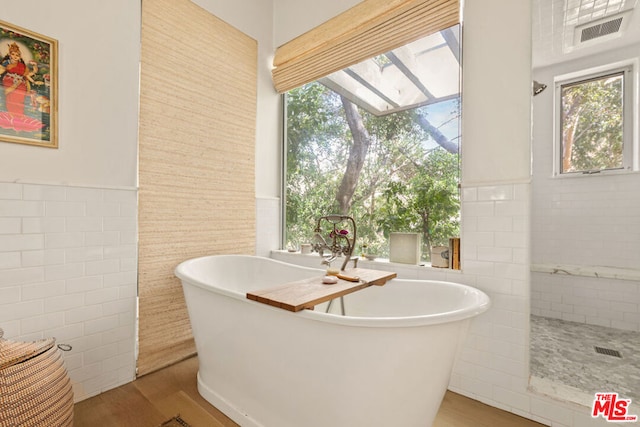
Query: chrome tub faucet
[(341, 240)]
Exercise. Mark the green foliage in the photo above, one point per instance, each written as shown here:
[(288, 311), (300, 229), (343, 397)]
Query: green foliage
[(316, 131), (427, 202), (592, 123), (406, 184)]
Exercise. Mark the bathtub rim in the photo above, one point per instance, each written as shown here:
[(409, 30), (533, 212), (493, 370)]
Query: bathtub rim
[(466, 312)]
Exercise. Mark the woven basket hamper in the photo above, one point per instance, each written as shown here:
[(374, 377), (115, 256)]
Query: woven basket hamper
[(35, 389)]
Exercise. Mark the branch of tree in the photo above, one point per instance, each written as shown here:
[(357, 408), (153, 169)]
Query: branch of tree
[(437, 136)]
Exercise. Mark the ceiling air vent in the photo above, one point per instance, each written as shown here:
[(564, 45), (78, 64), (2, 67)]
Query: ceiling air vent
[(602, 29)]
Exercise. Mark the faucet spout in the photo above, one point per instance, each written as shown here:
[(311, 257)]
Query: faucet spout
[(328, 260)]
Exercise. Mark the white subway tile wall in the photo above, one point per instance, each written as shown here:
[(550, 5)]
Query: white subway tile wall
[(587, 221), (598, 301), (68, 269), (493, 366)]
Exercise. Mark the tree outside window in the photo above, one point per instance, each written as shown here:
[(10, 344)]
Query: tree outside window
[(592, 124), (396, 172), (379, 141)]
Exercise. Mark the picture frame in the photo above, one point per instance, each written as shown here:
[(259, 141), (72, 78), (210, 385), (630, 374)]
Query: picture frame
[(28, 87)]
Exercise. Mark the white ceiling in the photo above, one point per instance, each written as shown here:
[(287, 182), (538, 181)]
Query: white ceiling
[(554, 22)]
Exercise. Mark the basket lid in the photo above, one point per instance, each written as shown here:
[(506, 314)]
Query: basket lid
[(14, 352)]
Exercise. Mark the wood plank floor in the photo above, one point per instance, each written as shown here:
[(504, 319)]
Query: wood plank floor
[(154, 398)]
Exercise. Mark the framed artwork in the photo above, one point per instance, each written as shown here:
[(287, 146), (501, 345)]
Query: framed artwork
[(28, 87)]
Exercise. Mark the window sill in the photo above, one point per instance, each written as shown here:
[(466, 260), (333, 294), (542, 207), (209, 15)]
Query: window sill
[(404, 271), (617, 172)]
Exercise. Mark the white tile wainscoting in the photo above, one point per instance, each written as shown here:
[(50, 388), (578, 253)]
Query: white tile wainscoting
[(68, 269)]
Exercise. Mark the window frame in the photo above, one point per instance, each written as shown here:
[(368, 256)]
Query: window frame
[(629, 71)]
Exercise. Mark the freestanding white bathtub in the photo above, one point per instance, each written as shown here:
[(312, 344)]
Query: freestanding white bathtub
[(387, 362)]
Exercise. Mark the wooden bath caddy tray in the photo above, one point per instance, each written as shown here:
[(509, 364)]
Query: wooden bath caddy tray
[(307, 293)]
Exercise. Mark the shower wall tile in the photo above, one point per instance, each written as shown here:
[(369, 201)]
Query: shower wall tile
[(9, 191), (543, 408), (43, 192), (9, 225), (586, 220), (598, 301), (68, 269), (497, 192), (21, 208), (9, 260)]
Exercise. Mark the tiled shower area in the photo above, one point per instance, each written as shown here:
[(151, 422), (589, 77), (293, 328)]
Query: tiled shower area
[(585, 332), (585, 276), (574, 360)]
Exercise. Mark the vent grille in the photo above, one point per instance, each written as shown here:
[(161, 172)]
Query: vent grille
[(600, 30), (608, 351)]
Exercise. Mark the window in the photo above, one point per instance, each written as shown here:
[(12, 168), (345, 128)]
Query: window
[(595, 130), (378, 141)]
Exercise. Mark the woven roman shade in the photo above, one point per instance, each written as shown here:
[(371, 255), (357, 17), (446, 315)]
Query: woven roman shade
[(198, 94), (370, 28)]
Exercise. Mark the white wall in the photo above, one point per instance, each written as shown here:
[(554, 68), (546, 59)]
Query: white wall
[(68, 241), (99, 47), (295, 17), (496, 80), (583, 225)]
